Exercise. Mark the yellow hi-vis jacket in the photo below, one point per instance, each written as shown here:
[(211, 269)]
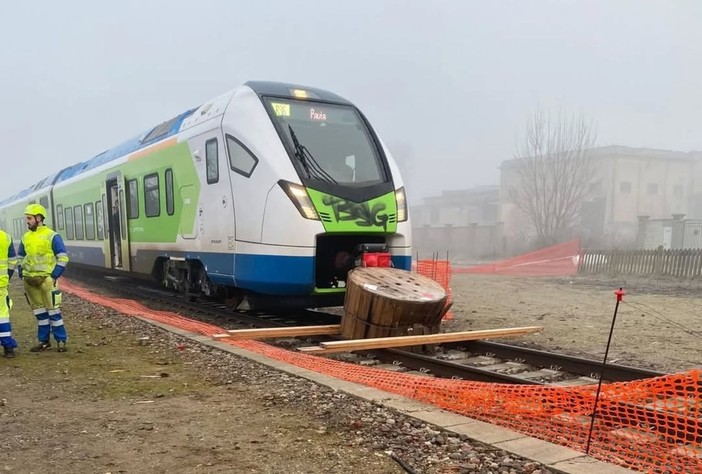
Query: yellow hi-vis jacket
[(8, 258)]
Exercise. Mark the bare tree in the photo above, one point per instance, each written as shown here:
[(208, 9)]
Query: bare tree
[(554, 170)]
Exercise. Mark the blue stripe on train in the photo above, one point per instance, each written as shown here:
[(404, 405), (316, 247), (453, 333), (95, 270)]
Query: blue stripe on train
[(275, 274), (271, 274), (86, 255)]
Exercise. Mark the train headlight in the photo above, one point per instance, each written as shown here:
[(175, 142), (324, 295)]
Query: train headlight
[(401, 204), (298, 195)]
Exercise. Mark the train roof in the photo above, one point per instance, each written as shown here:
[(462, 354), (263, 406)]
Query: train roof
[(284, 89), (162, 131), (158, 133)]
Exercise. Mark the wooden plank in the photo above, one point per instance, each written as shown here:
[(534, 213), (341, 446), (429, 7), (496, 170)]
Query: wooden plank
[(265, 333), (404, 341)]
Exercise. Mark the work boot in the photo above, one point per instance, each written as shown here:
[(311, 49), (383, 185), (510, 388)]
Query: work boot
[(9, 352), (41, 346), (61, 346)]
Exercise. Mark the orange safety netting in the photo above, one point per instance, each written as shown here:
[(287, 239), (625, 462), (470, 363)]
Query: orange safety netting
[(440, 272), (649, 425), (558, 260)]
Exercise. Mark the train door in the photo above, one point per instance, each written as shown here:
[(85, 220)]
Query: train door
[(214, 213), (188, 196), (118, 234)]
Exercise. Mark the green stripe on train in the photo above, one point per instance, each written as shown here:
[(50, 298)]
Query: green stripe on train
[(163, 228), (377, 215)]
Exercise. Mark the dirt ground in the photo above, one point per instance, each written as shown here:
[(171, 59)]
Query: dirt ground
[(127, 399), (658, 325), (118, 403)]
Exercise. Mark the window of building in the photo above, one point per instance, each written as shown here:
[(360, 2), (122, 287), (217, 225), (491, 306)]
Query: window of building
[(212, 161), (678, 191), (78, 216), (170, 200), (625, 187), (241, 160), (152, 202), (434, 215), (89, 221), (70, 229), (652, 188), (133, 201)]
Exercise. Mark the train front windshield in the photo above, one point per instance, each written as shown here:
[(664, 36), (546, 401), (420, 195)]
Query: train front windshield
[(330, 142)]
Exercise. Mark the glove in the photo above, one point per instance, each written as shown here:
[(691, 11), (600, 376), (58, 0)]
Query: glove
[(19, 271), (58, 271)]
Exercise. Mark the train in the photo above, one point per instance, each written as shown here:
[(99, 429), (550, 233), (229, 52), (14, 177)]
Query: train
[(267, 192)]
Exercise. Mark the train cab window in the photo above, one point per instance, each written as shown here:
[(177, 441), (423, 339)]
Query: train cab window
[(68, 214), (99, 221), (241, 160), (330, 143), (212, 161), (152, 201), (78, 216), (89, 221), (170, 202), (44, 201), (133, 199), (59, 217)]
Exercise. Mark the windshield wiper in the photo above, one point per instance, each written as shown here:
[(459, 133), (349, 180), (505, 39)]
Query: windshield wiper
[(313, 168)]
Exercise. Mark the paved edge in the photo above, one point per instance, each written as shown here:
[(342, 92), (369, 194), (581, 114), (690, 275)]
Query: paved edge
[(558, 458)]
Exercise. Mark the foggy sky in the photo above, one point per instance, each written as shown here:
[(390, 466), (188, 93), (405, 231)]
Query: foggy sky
[(446, 84)]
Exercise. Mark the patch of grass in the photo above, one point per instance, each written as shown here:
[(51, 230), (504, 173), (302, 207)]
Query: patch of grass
[(101, 361)]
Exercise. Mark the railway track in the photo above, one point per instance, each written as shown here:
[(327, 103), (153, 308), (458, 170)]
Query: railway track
[(474, 360), (216, 312), (502, 363)]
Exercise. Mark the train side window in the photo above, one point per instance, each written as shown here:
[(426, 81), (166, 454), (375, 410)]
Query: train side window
[(133, 199), (59, 216), (212, 161), (170, 204), (89, 221), (121, 216), (122, 226), (78, 216), (68, 214), (106, 224), (152, 201), (99, 221), (241, 160)]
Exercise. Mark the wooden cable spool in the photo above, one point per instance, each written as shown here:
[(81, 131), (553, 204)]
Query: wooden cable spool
[(383, 302)]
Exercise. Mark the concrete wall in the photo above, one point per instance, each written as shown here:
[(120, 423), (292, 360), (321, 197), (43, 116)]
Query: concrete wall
[(464, 244)]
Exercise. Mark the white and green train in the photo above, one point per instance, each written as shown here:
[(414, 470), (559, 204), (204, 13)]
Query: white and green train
[(268, 189)]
